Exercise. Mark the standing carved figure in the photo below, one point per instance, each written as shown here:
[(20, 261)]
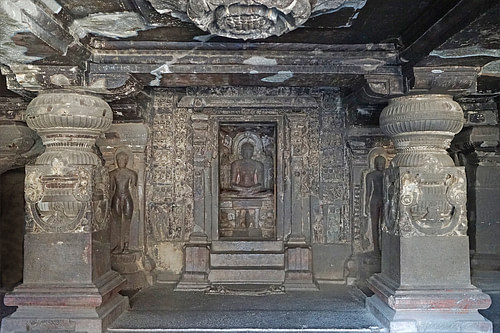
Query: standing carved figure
[(374, 202), (122, 206)]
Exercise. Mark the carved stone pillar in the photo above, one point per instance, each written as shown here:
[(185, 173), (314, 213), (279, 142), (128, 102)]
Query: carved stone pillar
[(298, 254), (425, 282), (476, 147), (486, 187), (68, 282), (196, 252)]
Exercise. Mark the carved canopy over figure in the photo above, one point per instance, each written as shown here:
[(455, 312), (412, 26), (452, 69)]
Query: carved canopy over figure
[(247, 174), (374, 199), (122, 206)]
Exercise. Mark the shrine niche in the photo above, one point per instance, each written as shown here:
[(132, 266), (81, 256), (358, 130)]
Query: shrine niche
[(247, 160)]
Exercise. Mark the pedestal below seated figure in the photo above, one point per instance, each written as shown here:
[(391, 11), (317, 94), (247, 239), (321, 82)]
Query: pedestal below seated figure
[(247, 217)]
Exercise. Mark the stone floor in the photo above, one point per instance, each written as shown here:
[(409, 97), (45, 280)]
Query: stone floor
[(335, 308)]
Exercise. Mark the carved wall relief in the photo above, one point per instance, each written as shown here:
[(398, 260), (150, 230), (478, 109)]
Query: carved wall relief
[(333, 174), (246, 174), (297, 161), (123, 150), (123, 182), (373, 199), (169, 191), (365, 146)]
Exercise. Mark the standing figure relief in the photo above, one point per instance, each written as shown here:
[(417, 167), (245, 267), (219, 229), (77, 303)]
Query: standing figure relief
[(123, 180), (374, 202)]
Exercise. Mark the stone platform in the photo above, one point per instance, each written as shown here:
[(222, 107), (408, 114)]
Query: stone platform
[(335, 308)]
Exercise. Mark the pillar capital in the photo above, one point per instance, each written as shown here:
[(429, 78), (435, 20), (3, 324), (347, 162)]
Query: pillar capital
[(69, 124), (422, 127)]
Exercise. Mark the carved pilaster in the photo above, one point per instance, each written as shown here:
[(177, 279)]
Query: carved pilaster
[(68, 282), (424, 215), (196, 253), (298, 266)]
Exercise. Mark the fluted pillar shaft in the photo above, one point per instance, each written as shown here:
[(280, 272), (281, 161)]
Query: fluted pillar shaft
[(425, 282), (68, 283)]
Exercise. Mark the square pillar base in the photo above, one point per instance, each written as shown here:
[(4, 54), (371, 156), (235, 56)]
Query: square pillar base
[(298, 263), (196, 258), (424, 320), (71, 308), (439, 309)]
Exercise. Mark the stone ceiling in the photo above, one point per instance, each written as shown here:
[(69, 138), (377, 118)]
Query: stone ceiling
[(373, 46)]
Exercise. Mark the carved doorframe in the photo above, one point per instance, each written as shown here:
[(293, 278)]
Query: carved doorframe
[(281, 197)]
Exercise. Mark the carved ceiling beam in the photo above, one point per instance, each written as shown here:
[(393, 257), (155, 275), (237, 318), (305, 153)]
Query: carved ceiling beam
[(178, 64), (452, 80), (418, 43), (481, 132), (48, 21), (27, 80)]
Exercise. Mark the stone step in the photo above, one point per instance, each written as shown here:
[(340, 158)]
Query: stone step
[(247, 247), (248, 276), (254, 260)]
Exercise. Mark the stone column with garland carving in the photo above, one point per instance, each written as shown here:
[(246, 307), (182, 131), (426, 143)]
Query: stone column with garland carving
[(425, 281), (68, 283)]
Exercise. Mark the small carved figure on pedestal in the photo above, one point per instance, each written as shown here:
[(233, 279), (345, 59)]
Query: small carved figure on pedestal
[(374, 201), (122, 206)]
